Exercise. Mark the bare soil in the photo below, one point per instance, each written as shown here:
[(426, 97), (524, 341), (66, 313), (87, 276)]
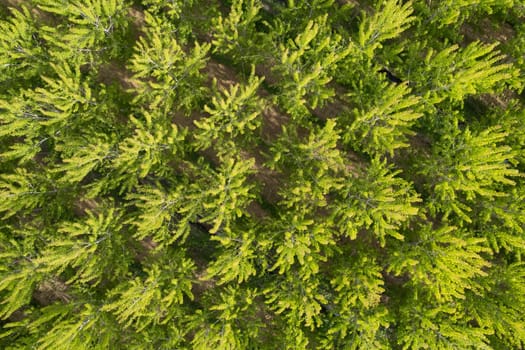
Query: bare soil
[(487, 33), (51, 291)]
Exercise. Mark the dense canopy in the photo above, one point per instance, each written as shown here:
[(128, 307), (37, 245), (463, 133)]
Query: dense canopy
[(262, 174)]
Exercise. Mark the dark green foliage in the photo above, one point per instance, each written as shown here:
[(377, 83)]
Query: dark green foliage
[(262, 174)]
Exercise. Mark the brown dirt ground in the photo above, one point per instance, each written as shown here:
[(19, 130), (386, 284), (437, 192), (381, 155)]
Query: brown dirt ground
[(50, 291), (82, 206), (486, 32), (114, 72)]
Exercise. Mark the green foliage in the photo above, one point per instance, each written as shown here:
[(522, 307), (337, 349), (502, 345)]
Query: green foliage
[(306, 67), (86, 328), (237, 261), (64, 97), (427, 326), (316, 162), (225, 194), (379, 201), (151, 146), (216, 199), (235, 35), (228, 324), (18, 117), (140, 302), (165, 74), (503, 301), (300, 300), (94, 248), (466, 167), (85, 159), (454, 73), (301, 241), (92, 28), (454, 13), (19, 277), (356, 317), (384, 126), (156, 209), (262, 174), (172, 8), (232, 114), (390, 20), (501, 222), (440, 263), (23, 191), (21, 53)]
